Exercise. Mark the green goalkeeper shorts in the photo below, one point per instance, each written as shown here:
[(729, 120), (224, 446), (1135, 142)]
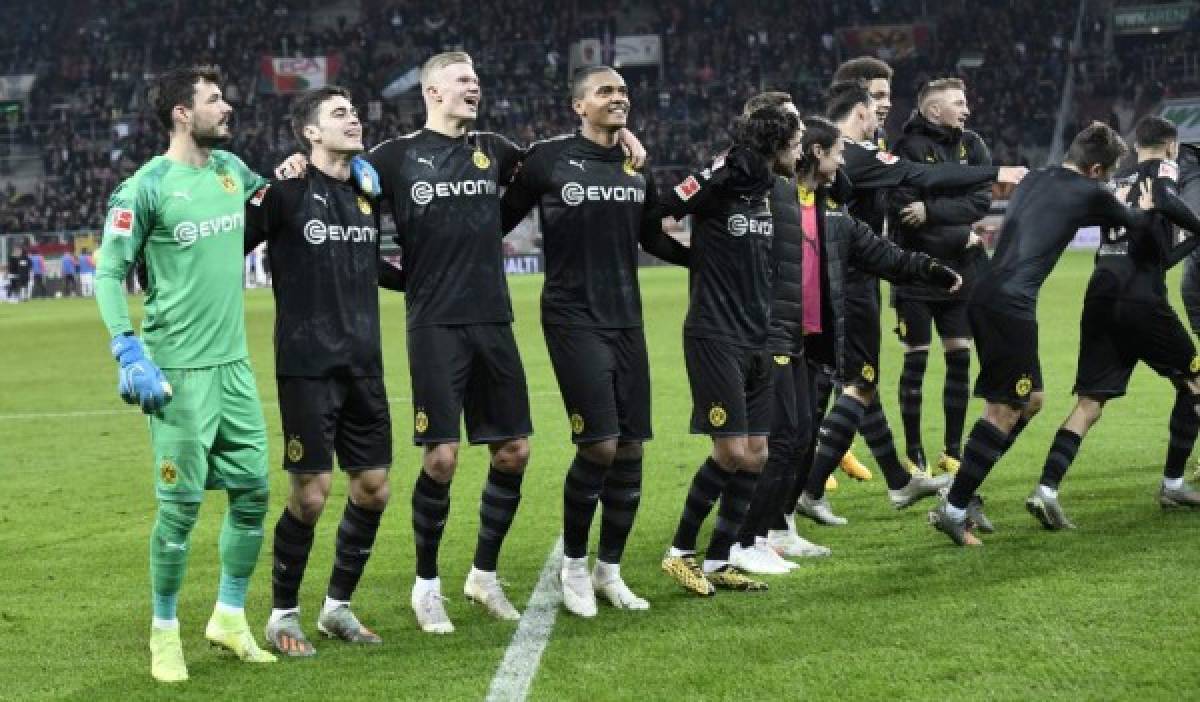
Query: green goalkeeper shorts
[(211, 435)]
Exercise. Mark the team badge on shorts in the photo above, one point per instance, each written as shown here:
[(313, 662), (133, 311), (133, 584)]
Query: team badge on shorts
[(228, 183), (717, 416), (1195, 364), (168, 472), (421, 422), (628, 167), (782, 360), (364, 205), (868, 372), (295, 449), (576, 423), (481, 160), (902, 328), (1024, 386)]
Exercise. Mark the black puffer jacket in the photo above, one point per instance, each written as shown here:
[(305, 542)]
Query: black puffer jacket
[(845, 242), (786, 333), (950, 214), (1189, 190)]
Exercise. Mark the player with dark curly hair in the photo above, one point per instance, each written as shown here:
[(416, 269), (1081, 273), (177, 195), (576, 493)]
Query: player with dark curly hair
[(725, 336)]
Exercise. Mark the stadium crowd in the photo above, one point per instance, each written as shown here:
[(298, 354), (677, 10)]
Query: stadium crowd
[(87, 122)]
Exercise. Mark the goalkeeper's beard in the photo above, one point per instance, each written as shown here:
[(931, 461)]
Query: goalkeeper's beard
[(211, 138)]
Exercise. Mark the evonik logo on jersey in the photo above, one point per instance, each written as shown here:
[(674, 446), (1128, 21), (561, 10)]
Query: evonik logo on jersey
[(574, 194), (423, 192), (186, 233), (317, 232), (741, 225)]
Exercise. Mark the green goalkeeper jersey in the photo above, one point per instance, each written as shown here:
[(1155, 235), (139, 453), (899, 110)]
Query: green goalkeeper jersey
[(187, 224)]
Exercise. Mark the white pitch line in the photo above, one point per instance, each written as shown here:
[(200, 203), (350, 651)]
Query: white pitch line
[(54, 415), (131, 410), (524, 655)]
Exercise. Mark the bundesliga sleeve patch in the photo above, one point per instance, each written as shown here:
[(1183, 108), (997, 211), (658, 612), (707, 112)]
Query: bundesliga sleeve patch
[(689, 187), (886, 157), (257, 198), (1167, 169), (120, 222)]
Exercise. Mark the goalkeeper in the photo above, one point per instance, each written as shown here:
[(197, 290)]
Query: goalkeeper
[(181, 216)]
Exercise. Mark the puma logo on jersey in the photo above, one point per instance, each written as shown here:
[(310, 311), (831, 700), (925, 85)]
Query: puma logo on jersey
[(426, 161), (183, 195), (321, 198), (578, 164)]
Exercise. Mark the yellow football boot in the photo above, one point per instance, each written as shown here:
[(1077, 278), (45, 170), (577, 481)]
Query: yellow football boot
[(166, 656), (854, 468), (685, 571), (947, 464), (231, 631)]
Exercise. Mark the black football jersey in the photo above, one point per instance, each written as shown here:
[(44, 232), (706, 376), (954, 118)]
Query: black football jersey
[(323, 248), (1132, 263), (732, 270), (445, 195), (1044, 213), (595, 208)]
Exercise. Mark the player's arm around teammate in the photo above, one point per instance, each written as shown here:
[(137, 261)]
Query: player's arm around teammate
[(443, 186), (1127, 318), (1042, 218), (323, 235), (595, 207)]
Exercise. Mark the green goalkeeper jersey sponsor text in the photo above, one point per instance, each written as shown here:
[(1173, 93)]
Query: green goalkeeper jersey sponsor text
[(187, 224)]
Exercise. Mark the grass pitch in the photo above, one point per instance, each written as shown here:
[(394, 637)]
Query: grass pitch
[(1104, 612)]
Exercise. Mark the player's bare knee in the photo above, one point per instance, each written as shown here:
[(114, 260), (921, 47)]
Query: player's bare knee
[(306, 506), (729, 453), (911, 348), (1090, 408), (865, 394), (599, 452), (629, 451), (308, 494), (511, 456), (370, 489), (440, 462), (1001, 415), (1036, 400), (756, 454), (950, 345)]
